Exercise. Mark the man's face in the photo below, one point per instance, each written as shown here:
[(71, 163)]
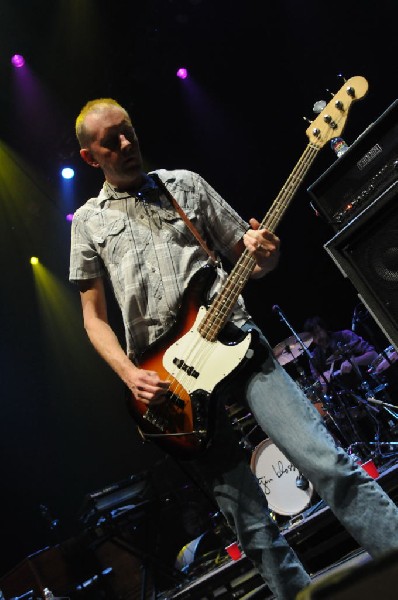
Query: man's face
[(320, 336), (114, 146)]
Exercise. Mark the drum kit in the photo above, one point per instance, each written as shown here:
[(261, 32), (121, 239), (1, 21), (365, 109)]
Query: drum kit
[(353, 416), (358, 417)]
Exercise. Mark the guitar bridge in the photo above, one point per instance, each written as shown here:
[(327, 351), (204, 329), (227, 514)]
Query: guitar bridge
[(155, 419)]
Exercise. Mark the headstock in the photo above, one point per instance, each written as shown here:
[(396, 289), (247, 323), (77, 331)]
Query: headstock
[(331, 121)]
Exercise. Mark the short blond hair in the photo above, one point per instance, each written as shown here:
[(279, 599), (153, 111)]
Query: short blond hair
[(93, 106)]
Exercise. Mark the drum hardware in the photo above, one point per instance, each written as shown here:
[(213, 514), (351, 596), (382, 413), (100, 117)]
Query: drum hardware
[(392, 415), (302, 483), (313, 390), (346, 410), (390, 450), (233, 409), (377, 447), (343, 351), (380, 388), (383, 361), (331, 422), (296, 520), (246, 419), (240, 424), (355, 401), (245, 440)]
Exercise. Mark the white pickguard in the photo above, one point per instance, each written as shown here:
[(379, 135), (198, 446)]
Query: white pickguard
[(210, 361)]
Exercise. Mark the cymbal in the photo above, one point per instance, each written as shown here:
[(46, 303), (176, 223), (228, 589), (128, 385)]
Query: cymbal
[(340, 352), (290, 349)]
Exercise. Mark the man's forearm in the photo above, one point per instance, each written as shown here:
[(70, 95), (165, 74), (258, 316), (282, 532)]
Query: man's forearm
[(106, 343)]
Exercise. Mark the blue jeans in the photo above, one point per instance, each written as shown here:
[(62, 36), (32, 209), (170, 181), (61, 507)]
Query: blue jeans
[(295, 426)]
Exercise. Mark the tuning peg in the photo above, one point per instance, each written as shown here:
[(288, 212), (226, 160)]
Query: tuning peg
[(319, 106), (348, 89), (307, 119), (351, 91)]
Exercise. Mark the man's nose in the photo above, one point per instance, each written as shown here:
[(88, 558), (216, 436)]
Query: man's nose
[(124, 141)]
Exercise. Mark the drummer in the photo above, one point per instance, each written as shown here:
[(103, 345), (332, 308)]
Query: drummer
[(339, 357)]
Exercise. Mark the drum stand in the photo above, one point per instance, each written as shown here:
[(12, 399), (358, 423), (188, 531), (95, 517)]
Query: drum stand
[(390, 446), (339, 412), (364, 400)]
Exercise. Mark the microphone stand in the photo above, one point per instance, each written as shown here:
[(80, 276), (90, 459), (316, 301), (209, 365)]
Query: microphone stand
[(282, 317), (301, 482)]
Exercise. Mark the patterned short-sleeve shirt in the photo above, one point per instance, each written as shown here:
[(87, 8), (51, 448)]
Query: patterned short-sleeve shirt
[(148, 253)]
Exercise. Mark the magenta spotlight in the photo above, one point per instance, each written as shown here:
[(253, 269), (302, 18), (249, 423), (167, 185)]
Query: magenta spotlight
[(69, 217), (18, 61), (182, 73)]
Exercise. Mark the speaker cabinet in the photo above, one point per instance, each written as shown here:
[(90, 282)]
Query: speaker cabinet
[(366, 251)]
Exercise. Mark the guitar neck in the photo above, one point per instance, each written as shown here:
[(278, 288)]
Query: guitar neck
[(222, 306), (329, 123)]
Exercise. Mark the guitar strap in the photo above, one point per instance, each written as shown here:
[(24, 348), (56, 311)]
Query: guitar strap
[(184, 217)]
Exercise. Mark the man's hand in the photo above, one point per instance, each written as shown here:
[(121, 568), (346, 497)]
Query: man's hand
[(147, 387), (264, 247), (346, 366)]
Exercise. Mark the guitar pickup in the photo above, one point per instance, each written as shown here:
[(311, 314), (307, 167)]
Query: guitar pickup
[(176, 400), (181, 364)]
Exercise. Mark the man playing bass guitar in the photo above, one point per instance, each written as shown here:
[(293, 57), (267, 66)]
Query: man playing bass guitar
[(132, 235)]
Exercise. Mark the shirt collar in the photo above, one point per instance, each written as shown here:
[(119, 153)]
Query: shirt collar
[(148, 191)]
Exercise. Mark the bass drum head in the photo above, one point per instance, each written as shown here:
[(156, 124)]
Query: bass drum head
[(280, 480)]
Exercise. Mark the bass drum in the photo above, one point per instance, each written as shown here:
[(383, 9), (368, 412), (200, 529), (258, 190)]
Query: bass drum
[(287, 492)]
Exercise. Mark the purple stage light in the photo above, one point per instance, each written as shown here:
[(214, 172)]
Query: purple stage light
[(18, 61), (69, 217), (182, 73)]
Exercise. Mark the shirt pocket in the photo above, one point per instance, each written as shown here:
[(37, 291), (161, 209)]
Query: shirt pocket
[(113, 241), (177, 229)]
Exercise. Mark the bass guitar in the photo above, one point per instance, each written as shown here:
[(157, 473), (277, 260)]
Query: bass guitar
[(197, 355)]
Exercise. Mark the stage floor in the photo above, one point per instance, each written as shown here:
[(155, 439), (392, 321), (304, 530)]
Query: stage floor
[(322, 544)]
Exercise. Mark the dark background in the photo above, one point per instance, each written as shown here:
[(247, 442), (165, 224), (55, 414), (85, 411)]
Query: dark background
[(256, 70)]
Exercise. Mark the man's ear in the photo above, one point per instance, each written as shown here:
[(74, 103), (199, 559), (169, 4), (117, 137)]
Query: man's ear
[(88, 157)]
